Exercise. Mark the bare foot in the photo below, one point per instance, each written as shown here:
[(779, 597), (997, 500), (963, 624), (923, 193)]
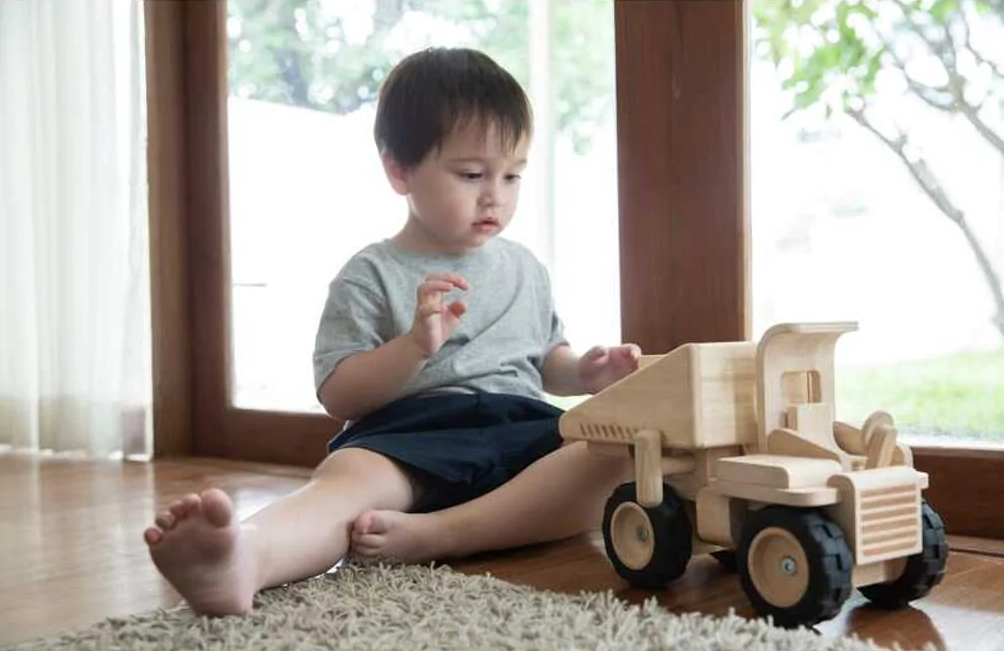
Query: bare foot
[(405, 537), (198, 547)]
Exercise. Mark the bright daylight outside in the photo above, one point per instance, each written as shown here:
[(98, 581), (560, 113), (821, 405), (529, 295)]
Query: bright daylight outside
[(878, 196), (307, 189)]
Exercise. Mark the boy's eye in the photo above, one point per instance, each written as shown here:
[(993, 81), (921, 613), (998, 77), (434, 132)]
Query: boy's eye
[(471, 176), (512, 178)]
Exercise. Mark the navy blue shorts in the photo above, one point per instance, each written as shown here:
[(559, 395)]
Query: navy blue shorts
[(459, 446)]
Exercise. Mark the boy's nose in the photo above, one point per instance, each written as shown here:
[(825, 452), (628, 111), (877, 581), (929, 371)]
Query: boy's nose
[(491, 194)]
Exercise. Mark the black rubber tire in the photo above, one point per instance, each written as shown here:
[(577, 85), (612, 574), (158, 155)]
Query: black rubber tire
[(829, 559), (673, 538), (923, 571), (727, 559)]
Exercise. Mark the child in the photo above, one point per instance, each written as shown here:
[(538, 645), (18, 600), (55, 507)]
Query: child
[(449, 448)]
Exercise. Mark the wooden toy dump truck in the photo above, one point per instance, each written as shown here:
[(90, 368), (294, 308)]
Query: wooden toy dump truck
[(737, 453)]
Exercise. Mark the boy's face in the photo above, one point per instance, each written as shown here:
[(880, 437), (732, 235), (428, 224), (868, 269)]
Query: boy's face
[(462, 194)]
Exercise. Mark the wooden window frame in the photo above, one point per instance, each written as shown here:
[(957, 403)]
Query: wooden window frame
[(684, 229)]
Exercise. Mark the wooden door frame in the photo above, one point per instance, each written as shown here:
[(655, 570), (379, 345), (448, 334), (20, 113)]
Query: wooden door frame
[(684, 229), (190, 250)]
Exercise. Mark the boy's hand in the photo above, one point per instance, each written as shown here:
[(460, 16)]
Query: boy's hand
[(602, 365), (435, 321)]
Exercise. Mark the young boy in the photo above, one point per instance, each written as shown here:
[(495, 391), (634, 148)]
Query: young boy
[(436, 346)]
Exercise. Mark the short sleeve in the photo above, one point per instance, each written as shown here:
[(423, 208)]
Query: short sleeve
[(557, 333), (353, 319)]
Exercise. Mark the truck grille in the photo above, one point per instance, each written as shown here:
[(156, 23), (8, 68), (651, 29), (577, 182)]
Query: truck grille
[(889, 523), (598, 432)]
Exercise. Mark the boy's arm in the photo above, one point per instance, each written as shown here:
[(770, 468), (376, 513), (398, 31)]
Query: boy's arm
[(364, 382), (566, 374), (560, 372)]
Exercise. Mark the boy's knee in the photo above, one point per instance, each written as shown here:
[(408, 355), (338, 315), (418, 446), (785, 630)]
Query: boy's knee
[(370, 470), (350, 462)]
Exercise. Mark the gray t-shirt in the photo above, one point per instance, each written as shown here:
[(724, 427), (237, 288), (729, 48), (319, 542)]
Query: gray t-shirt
[(499, 345)]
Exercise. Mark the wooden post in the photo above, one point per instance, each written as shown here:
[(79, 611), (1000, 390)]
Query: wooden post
[(648, 467)]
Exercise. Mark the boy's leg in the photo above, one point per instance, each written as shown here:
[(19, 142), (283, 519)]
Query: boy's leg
[(218, 564), (560, 495)]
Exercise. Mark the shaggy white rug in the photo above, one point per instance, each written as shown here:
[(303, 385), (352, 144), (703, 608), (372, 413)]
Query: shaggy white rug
[(379, 607)]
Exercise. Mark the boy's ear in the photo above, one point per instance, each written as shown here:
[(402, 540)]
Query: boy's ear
[(396, 174)]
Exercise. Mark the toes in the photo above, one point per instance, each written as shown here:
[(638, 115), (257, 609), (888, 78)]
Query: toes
[(185, 506), (165, 520), (152, 536), (377, 523), (366, 551), (370, 522), (362, 524), (368, 540), (217, 507), (367, 544)]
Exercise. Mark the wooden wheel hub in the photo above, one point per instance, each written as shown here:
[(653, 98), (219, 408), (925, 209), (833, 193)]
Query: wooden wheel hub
[(778, 567), (633, 536)]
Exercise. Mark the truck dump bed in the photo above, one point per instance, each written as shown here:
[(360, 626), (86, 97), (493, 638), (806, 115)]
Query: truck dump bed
[(697, 396)]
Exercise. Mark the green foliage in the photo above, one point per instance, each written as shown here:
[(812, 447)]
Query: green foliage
[(302, 53), (832, 52), (829, 48), (959, 395)]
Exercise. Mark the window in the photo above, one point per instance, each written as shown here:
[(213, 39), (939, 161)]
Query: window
[(891, 212)]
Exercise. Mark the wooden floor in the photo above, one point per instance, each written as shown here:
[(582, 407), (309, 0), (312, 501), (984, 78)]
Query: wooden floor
[(71, 554)]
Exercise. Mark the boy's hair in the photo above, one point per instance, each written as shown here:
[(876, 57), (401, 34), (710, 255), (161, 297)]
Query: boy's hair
[(431, 93)]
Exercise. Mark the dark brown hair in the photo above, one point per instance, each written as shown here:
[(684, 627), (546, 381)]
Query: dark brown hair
[(431, 93)]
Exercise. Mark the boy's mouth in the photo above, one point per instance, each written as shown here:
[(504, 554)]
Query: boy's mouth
[(487, 225)]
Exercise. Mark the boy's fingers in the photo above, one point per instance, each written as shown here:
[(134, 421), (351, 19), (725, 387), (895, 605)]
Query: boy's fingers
[(631, 350), (434, 286), (595, 353), (453, 278), (445, 276), (625, 351), (428, 309), (458, 308)]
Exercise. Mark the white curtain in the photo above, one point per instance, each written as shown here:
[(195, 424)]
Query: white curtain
[(74, 273)]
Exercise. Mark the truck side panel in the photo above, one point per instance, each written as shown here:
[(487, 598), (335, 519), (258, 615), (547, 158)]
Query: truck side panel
[(727, 389), (697, 396)]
